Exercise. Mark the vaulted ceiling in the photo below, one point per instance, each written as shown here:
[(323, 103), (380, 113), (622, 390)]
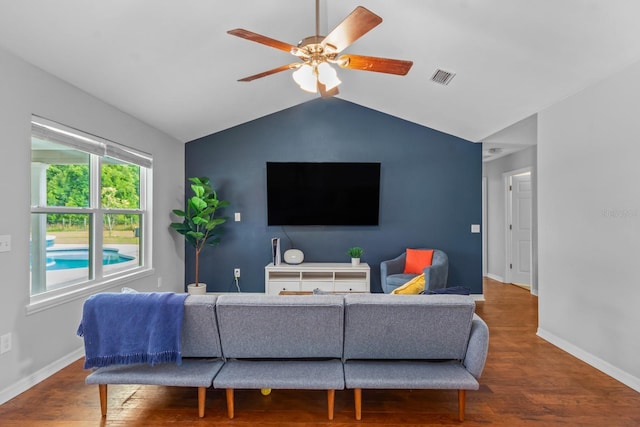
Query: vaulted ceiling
[(172, 64)]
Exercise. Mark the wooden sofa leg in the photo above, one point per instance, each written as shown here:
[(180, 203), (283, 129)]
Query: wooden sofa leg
[(331, 398), (202, 397), (103, 399), (461, 396), (230, 411), (357, 397)]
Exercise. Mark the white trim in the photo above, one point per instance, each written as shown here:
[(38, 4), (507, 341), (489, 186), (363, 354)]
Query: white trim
[(602, 365), (485, 251), (91, 288), (478, 297), (496, 277), (26, 383)]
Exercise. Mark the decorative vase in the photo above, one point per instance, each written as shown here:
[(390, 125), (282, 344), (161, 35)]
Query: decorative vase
[(355, 261), (201, 289)]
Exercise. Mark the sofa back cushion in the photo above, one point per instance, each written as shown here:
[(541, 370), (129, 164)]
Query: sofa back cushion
[(407, 326), (200, 336), (281, 326)]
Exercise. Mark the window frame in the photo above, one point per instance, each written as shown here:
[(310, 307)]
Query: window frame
[(98, 149)]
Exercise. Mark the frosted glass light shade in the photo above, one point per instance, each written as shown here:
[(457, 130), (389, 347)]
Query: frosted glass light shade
[(306, 79), (328, 76)]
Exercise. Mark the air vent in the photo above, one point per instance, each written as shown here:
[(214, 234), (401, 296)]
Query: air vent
[(442, 77)]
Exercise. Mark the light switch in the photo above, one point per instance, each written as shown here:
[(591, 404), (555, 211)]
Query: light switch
[(236, 217), (475, 228), (5, 243)]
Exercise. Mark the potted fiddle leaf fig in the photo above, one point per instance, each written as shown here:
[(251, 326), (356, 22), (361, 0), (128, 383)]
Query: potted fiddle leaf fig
[(355, 253), (200, 224)]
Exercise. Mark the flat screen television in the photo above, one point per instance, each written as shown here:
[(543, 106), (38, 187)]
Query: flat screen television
[(307, 193)]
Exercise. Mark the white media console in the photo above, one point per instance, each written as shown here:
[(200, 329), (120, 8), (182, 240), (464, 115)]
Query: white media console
[(328, 277)]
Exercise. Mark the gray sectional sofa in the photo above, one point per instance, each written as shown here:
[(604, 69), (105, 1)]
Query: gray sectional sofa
[(320, 342)]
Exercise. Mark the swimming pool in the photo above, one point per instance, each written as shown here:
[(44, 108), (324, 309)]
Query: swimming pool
[(61, 259)]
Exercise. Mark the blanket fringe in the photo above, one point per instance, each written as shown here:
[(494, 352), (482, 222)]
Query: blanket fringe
[(128, 359)]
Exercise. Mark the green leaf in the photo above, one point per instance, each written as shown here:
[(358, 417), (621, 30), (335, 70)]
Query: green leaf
[(198, 190), (195, 234), (198, 203), (198, 220), (179, 212)]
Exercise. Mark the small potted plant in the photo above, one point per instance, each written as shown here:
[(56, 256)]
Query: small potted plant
[(200, 222), (355, 253)]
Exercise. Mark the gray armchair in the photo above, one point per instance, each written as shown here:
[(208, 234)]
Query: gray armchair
[(435, 276)]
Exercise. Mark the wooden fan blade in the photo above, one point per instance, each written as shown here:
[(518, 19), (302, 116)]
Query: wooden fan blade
[(268, 41), (269, 72), (354, 26), (327, 93), (372, 63)]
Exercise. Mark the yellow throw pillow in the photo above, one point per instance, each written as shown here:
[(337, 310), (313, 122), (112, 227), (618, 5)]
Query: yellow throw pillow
[(413, 286)]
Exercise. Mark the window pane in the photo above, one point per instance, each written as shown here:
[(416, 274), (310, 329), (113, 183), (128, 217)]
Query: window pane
[(120, 184), (60, 254), (60, 175), (121, 237)]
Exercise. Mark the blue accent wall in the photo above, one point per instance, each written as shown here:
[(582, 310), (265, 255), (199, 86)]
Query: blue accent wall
[(430, 191)]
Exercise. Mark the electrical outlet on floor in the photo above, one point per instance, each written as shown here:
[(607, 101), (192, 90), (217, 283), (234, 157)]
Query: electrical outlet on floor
[(5, 343)]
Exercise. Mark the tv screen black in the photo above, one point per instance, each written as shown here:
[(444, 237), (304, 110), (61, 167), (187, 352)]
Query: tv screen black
[(308, 193)]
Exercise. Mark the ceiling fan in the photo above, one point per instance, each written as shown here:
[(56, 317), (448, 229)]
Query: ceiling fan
[(317, 53)]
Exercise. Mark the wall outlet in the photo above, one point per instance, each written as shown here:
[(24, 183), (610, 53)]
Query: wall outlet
[(5, 343), (236, 273), (5, 243)]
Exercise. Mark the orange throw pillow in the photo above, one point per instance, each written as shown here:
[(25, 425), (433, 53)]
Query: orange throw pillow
[(417, 260)]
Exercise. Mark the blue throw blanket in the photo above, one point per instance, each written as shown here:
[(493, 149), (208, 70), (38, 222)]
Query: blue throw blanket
[(126, 328)]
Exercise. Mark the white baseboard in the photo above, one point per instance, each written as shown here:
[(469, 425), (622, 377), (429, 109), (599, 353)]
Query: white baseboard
[(26, 383), (614, 372), (495, 277), (478, 297)]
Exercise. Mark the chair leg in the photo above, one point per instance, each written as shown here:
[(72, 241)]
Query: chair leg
[(202, 397), (230, 411), (331, 398), (102, 388), (357, 397), (461, 401)]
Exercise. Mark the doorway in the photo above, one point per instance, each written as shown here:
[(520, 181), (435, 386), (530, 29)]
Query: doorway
[(518, 259)]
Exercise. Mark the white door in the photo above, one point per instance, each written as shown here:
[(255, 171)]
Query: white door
[(520, 228)]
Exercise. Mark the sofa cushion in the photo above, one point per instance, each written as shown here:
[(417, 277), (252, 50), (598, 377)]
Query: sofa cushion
[(408, 375), (191, 373), (282, 374), (281, 326), (423, 326), (417, 260), (413, 286), (200, 336)]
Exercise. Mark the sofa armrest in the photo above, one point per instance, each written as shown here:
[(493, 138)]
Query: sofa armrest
[(478, 347)]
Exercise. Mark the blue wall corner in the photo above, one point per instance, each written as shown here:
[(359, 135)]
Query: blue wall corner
[(430, 192)]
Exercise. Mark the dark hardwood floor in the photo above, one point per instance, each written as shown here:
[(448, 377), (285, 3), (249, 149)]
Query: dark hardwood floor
[(526, 382)]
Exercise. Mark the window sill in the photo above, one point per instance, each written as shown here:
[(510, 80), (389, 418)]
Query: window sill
[(42, 302)]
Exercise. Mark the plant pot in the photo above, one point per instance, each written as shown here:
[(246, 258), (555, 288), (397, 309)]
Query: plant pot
[(201, 289), (355, 261)]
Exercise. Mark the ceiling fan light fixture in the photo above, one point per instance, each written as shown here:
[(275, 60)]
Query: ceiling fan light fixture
[(306, 78), (328, 76)]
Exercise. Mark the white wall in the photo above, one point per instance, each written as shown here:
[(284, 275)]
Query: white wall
[(589, 225), (496, 211), (45, 341)]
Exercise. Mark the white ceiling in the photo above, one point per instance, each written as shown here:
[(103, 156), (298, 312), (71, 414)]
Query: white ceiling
[(171, 64)]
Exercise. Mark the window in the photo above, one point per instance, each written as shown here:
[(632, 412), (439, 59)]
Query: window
[(89, 207)]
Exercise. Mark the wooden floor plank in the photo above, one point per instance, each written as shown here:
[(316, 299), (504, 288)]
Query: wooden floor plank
[(526, 382)]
